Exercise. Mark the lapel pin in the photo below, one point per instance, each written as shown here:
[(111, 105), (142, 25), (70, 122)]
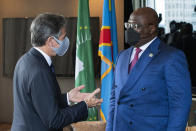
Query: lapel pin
[(151, 55)]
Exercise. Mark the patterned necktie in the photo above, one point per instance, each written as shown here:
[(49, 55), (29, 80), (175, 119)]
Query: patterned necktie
[(135, 59)]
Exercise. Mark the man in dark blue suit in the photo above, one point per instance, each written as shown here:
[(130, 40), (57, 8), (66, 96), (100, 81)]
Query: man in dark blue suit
[(151, 89), (39, 104)]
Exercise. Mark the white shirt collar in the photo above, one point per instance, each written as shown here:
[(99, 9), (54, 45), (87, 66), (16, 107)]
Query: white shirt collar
[(143, 48), (48, 59)]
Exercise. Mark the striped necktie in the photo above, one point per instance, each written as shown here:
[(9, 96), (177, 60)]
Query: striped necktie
[(135, 59)]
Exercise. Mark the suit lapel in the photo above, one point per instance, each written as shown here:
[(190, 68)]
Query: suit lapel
[(39, 56), (142, 63), (125, 65), (43, 60)]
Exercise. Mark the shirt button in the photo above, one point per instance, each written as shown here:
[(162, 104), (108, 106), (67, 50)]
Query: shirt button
[(143, 89), (131, 105), (131, 123)]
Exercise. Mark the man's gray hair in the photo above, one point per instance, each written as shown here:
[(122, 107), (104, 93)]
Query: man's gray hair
[(44, 26)]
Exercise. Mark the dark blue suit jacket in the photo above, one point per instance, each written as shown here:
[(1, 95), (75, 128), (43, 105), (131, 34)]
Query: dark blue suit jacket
[(38, 102), (155, 95)]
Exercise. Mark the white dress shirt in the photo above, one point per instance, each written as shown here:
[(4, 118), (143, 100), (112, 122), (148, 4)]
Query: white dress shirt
[(143, 48), (49, 61)]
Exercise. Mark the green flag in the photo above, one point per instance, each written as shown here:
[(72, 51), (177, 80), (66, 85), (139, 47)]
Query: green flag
[(84, 70)]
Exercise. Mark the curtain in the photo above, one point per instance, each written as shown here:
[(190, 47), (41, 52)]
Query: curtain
[(16, 41)]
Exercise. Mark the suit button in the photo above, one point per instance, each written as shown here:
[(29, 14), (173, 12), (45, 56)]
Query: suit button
[(143, 89), (131, 123), (118, 102), (115, 86), (131, 105)]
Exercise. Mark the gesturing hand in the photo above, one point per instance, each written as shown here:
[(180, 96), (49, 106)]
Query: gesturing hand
[(76, 96), (91, 101)]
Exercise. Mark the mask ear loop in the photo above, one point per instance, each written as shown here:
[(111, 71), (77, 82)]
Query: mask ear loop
[(58, 41)]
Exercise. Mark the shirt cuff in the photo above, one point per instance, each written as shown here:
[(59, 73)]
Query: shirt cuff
[(86, 105), (68, 102)]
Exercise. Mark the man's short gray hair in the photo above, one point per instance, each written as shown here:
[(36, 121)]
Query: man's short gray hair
[(44, 26)]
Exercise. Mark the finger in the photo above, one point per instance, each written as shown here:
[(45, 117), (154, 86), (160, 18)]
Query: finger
[(80, 87), (98, 104), (97, 101), (95, 92)]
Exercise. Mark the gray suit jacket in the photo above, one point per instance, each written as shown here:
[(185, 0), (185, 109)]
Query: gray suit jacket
[(38, 102)]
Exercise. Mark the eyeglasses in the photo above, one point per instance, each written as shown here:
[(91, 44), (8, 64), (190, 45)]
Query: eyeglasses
[(131, 25)]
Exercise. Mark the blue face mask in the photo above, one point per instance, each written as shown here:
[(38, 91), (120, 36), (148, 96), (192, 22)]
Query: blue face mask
[(64, 45)]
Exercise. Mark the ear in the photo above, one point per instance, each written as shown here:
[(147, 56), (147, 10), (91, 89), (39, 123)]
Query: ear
[(49, 41), (52, 42), (153, 29)]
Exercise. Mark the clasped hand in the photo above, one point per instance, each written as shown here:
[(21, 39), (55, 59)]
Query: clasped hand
[(76, 96)]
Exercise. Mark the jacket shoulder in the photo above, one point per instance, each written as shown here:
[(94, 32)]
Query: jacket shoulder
[(30, 64), (169, 49)]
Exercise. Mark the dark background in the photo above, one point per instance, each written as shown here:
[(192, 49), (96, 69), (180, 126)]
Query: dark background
[(16, 41)]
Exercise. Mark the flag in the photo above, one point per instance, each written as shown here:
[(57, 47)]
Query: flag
[(108, 51), (84, 69)]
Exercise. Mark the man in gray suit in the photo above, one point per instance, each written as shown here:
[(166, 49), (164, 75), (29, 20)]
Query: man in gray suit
[(39, 104)]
